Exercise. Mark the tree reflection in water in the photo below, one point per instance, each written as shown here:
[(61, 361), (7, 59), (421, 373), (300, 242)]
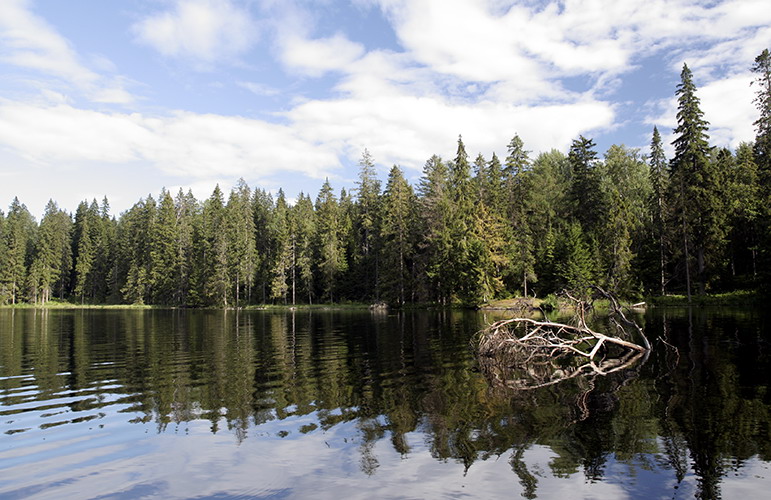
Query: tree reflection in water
[(698, 408)]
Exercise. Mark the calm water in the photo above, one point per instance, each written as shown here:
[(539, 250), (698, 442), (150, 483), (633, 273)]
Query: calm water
[(212, 404)]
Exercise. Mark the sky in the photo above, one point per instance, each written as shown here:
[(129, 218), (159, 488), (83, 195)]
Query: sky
[(121, 99)]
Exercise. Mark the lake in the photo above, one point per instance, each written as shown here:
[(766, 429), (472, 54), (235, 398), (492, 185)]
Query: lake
[(360, 404)]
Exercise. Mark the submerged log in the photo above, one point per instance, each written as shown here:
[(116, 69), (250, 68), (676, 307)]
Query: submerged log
[(524, 353)]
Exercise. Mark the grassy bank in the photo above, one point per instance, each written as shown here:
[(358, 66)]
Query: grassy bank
[(736, 298)]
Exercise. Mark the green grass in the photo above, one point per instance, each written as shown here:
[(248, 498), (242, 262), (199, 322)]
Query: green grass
[(735, 298)]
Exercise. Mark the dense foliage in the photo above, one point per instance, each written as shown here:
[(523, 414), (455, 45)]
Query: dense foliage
[(468, 232)]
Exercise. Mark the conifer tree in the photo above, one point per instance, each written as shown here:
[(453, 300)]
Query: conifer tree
[(366, 223), (262, 209), (329, 241), (282, 251), (659, 179), (136, 228), (585, 196), (433, 274), (397, 225), (214, 257), (164, 265), (187, 211), (242, 249), (305, 234), (762, 70), (745, 207), (18, 235), (520, 236), (53, 253), (695, 184)]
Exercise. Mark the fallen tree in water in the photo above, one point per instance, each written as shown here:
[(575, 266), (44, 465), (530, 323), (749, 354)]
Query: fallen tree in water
[(524, 353)]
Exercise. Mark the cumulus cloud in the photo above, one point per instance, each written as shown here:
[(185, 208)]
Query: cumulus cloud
[(317, 56), (202, 30)]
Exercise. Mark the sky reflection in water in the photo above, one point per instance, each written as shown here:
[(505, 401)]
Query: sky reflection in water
[(131, 404)]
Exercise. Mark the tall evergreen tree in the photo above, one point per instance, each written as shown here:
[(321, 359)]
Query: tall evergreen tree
[(433, 275), (164, 265), (242, 249), (695, 184), (19, 234), (659, 179), (520, 237), (187, 211), (53, 254), (762, 70), (330, 241), (282, 250), (366, 219), (262, 208), (214, 257), (745, 207), (397, 225), (585, 195), (304, 236)]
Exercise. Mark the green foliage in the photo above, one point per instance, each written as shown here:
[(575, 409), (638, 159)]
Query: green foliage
[(518, 227)]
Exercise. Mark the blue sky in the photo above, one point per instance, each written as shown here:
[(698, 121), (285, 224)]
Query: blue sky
[(123, 98)]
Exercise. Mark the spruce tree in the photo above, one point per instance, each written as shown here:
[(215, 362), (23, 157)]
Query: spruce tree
[(19, 234), (164, 265), (397, 226), (659, 179), (433, 264), (585, 196), (305, 234), (53, 254), (242, 249), (282, 249), (695, 185), (366, 220), (519, 235), (330, 240)]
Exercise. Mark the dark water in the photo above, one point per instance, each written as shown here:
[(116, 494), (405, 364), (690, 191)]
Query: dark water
[(212, 404)]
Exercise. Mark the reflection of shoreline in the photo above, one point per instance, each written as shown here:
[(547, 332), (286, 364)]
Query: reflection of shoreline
[(397, 388)]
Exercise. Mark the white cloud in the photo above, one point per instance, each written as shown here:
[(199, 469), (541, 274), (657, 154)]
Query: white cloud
[(315, 57), (28, 41), (192, 145), (202, 30)]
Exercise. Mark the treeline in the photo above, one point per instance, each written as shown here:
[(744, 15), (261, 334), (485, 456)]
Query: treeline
[(470, 231)]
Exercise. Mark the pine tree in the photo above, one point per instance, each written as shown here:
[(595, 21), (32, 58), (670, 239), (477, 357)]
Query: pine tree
[(762, 70), (187, 211), (659, 179), (695, 184), (745, 207), (762, 150), (262, 209), (164, 265), (18, 236), (520, 237), (135, 230), (585, 195), (305, 234), (282, 250), (53, 254), (365, 221), (242, 249), (214, 256), (330, 249), (432, 272), (397, 225)]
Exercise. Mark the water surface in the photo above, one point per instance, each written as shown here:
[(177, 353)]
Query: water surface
[(224, 404)]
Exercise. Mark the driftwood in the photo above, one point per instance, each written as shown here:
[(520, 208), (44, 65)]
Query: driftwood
[(524, 353)]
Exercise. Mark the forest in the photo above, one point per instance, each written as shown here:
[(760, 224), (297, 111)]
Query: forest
[(470, 231)]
